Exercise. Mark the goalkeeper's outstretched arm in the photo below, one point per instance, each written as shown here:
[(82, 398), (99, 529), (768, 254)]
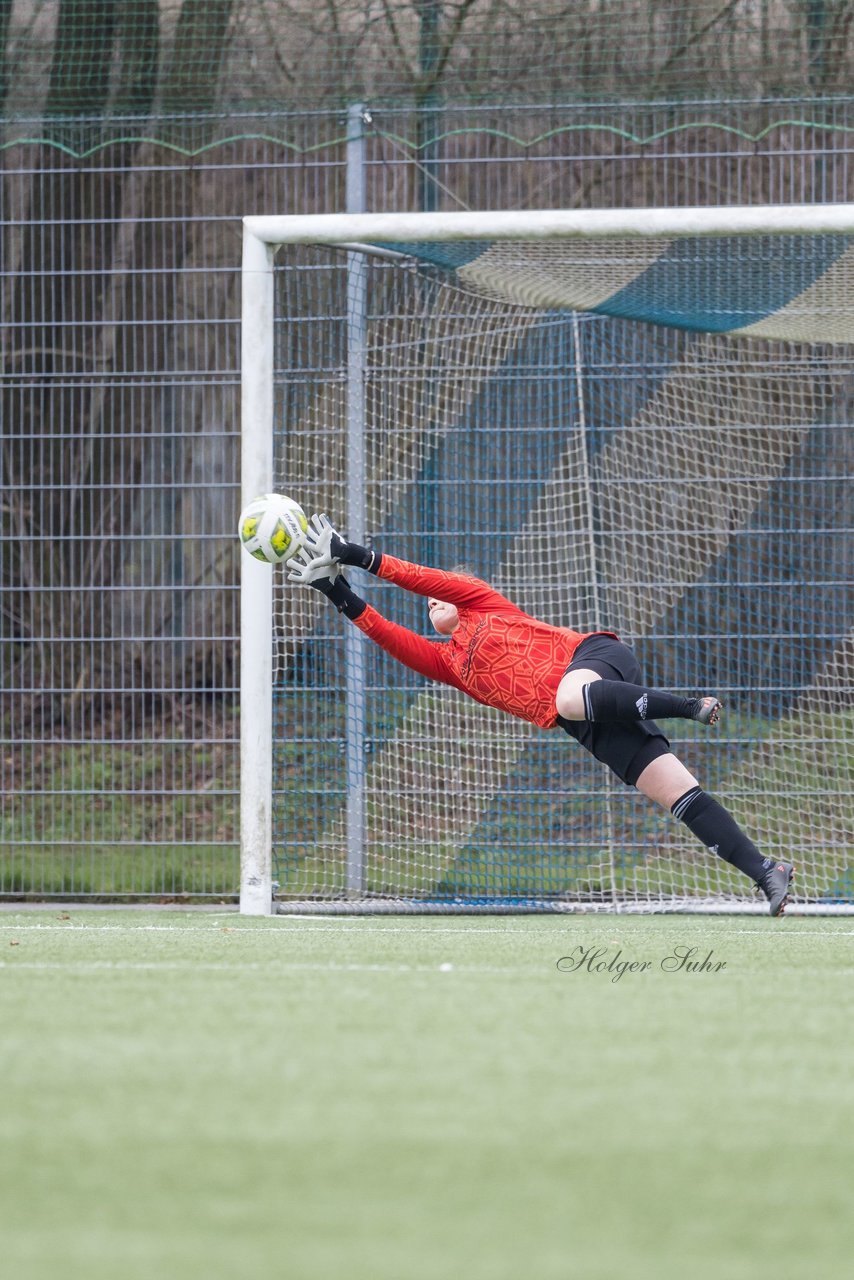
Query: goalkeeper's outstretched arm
[(326, 548), (318, 565)]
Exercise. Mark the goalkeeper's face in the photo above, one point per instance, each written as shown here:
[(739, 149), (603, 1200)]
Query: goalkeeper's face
[(443, 616)]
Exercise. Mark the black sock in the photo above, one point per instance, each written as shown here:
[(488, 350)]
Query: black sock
[(608, 700), (719, 832)]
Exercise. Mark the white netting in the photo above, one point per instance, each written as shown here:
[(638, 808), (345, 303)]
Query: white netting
[(687, 490)]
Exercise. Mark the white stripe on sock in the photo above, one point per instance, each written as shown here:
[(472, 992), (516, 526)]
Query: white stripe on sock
[(684, 802)]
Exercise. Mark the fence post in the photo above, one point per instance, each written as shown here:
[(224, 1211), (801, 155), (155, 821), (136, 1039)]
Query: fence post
[(355, 745)]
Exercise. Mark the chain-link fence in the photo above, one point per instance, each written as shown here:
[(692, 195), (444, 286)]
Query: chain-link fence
[(120, 458)]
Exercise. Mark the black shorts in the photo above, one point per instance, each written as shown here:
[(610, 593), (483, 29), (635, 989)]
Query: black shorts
[(625, 748)]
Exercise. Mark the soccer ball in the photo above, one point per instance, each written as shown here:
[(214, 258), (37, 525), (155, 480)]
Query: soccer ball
[(272, 528)]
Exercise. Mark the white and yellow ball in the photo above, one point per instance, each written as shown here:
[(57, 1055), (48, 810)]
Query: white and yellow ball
[(272, 528)]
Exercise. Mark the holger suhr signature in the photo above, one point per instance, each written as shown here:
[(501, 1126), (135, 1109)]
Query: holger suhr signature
[(600, 960)]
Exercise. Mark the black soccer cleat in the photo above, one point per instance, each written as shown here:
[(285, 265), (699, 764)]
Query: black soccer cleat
[(707, 710), (775, 883)]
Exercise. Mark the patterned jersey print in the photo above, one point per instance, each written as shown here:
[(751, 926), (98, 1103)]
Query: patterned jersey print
[(498, 654)]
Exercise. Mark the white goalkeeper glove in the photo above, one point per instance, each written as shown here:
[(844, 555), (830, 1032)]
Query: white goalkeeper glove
[(312, 570), (319, 540), (307, 568), (329, 548)]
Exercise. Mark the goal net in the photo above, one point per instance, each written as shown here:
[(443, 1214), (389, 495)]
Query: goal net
[(649, 434)]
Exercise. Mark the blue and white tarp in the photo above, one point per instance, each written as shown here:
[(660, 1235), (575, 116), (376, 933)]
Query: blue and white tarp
[(794, 287)]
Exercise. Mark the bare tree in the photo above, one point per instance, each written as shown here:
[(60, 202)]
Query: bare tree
[(68, 314)]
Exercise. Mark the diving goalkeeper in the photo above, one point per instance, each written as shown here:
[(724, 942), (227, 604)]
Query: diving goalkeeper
[(590, 685)]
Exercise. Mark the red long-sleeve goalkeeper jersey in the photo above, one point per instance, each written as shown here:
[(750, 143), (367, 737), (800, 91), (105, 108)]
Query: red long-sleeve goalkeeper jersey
[(498, 654)]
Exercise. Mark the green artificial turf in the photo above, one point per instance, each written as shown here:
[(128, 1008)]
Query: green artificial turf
[(201, 1095)]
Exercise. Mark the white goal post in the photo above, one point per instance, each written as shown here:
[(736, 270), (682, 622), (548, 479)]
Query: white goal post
[(263, 236)]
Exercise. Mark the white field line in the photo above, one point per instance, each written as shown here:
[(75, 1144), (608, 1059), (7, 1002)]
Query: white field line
[(107, 966), (330, 925)]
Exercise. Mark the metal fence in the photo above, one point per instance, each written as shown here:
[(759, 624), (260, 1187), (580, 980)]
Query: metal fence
[(120, 458)]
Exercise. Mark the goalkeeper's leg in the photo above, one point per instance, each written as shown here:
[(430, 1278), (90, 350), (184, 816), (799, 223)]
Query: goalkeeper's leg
[(584, 695), (636, 750), (603, 685), (667, 781), (640, 755)]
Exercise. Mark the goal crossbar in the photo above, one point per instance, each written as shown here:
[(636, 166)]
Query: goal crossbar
[(734, 220)]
